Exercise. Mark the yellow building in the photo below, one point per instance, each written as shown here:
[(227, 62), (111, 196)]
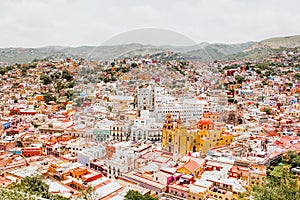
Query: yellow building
[(258, 174), (192, 167), (180, 139)]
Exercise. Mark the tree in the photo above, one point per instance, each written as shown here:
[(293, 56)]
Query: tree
[(46, 79), (267, 111), (239, 79), (19, 144), (280, 183), (297, 76), (34, 186), (134, 65), (89, 194), (258, 71), (59, 86), (14, 195), (70, 84), (110, 108), (289, 156), (296, 162), (63, 106), (69, 94), (283, 186), (66, 75), (24, 71), (3, 70), (268, 73), (48, 97), (135, 195)]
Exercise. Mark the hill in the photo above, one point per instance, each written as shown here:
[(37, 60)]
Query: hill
[(201, 52), (277, 43)]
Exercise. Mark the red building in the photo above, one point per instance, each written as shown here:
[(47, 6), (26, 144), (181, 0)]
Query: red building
[(110, 150), (31, 151)]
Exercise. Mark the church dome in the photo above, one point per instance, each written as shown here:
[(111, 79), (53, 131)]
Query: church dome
[(205, 121)]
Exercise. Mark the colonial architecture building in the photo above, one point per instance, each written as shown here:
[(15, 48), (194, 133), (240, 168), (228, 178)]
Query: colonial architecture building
[(181, 139)]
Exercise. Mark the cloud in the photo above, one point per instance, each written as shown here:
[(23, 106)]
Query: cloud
[(34, 23)]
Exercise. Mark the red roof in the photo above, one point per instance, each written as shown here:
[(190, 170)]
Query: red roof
[(191, 166), (205, 121)]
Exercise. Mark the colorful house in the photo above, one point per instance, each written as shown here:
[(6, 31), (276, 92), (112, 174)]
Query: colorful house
[(192, 167)]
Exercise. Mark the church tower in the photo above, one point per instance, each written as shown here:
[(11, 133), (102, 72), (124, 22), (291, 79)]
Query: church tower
[(168, 123), (168, 133)]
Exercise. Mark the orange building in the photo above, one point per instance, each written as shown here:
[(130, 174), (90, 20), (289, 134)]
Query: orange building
[(31, 151), (76, 178)]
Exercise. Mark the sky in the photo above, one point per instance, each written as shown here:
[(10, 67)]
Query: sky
[(36, 23)]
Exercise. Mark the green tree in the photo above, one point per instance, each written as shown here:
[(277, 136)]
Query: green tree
[(135, 195), (6, 194), (34, 186), (239, 79), (297, 76), (258, 71), (296, 161), (66, 75), (267, 111), (46, 79), (282, 186), (70, 84), (268, 73), (24, 71), (48, 97), (3, 71), (89, 194), (289, 156), (110, 108), (59, 86), (70, 94)]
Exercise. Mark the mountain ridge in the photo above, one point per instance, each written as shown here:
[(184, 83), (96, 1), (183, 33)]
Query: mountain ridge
[(204, 51)]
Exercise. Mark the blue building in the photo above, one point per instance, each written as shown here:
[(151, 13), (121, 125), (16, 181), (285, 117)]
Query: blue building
[(101, 135)]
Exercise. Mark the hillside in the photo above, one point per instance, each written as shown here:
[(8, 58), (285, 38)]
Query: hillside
[(201, 52), (277, 43), (216, 51)]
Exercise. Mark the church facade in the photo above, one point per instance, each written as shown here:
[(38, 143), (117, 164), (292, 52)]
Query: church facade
[(181, 139)]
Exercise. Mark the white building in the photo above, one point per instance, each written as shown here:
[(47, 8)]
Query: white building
[(120, 131), (187, 109), (218, 101), (121, 162), (146, 128), (145, 98), (90, 153)]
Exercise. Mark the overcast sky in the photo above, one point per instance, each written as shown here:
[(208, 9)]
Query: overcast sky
[(35, 23)]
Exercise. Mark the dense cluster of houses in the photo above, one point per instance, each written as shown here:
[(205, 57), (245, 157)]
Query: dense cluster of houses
[(159, 125)]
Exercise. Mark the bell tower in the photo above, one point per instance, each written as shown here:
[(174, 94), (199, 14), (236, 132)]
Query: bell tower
[(168, 123), (168, 132)]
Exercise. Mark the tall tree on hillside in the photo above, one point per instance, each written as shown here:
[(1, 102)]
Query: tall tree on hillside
[(280, 185)]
